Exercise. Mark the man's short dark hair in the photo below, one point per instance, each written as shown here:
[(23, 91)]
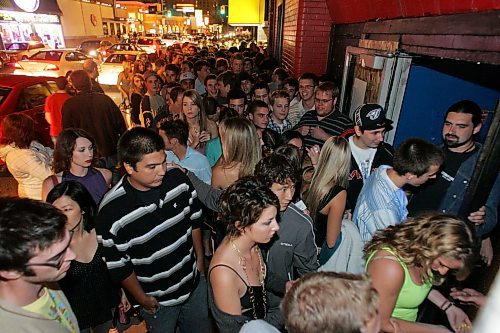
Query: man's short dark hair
[(189, 63), (159, 63), (137, 142), (221, 62), (27, 226), (292, 82), (416, 156), (80, 80), (210, 77), (309, 76), (173, 68), (260, 85), (467, 106), (229, 77), (329, 86), (275, 169), (254, 105), (236, 94), (244, 76), (175, 92), (198, 65), (176, 129)]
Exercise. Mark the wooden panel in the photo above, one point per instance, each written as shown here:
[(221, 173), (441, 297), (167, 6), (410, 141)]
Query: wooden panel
[(372, 77), (475, 56), (379, 45), (465, 24), (483, 43)]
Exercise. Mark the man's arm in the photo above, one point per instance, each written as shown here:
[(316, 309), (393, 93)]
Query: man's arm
[(208, 195), (131, 284)]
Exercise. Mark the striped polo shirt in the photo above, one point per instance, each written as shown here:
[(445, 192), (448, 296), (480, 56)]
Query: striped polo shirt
[(335, 123)]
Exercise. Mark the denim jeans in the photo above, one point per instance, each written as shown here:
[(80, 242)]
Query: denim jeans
[(191, 316)]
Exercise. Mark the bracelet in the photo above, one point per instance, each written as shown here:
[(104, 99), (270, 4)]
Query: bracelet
[(444, 303), (448, 306)]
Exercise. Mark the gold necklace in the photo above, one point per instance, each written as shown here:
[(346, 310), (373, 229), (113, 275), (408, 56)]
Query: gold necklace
[(242, 262)]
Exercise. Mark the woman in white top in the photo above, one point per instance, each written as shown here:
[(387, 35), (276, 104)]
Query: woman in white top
[(27, 160)]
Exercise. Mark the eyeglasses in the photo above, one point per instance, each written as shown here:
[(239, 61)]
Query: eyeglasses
[(322, 101), (56, 261)]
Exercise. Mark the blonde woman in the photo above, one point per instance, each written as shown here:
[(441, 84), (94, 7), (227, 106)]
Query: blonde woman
[(240, 152), (125, 81), (137, 90), (406, 260), (201, 129), (327, 195)]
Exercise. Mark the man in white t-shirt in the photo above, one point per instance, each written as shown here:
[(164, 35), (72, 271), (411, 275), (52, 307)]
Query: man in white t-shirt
[(368, 148)]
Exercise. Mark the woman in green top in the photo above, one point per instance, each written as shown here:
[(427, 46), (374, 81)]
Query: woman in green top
[(406, 260)]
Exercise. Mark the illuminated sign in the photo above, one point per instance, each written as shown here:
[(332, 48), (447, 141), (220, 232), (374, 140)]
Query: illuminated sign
[(28, 5), (248, 12)]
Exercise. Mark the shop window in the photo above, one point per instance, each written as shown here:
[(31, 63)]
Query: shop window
[(32, 97), (105, 28), (112, 26)]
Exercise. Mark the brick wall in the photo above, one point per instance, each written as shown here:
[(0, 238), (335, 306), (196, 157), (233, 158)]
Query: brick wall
[(306, 34)]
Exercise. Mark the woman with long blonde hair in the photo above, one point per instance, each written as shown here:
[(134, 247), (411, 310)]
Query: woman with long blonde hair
[(327, 195), (240, 152), (406, 260), (201, 129)]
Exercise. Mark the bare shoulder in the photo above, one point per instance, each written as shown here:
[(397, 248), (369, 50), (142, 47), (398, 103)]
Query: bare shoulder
[(384, 266), (106, 174), (212, 128)]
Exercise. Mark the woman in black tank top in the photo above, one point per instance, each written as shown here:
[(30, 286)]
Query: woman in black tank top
[(237, 272)]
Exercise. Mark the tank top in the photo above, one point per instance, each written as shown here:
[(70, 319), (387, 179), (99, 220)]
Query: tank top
[(411, 294), (253, 299), (93, 181), (90, 291), (321, 220)]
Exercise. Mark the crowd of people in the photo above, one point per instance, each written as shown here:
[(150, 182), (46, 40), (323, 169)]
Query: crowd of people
[(224, 195)]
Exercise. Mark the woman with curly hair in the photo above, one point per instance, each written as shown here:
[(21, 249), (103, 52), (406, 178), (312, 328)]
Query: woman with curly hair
[(27, 159), (74, 158), (237, 271), (406, 260), (240, 152), (326, 197)]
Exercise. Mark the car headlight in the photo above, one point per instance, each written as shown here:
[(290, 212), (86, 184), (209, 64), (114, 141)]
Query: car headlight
[(93, 53)]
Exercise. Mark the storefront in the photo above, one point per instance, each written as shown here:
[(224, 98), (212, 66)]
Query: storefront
[(25, 20)]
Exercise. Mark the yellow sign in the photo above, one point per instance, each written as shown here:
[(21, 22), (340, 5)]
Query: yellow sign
[(246, 12)]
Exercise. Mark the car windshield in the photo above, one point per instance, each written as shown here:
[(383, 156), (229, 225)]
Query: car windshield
[(90, 45), (119, 58), (4, 92), (18, 46), (47, 55)]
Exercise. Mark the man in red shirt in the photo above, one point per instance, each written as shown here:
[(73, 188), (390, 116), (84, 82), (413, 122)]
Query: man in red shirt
[(53, 108)]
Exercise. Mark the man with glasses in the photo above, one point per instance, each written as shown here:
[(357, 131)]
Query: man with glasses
[(307, 85), (34, 252), (317, 126)]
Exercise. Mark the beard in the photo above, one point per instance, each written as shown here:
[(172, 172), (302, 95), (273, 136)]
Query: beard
[(452, 141)]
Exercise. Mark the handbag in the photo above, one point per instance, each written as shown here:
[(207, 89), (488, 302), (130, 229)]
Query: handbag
[(126, 110)]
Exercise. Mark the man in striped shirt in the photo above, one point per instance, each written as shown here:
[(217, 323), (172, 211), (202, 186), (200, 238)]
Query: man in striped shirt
[(320, 124), (149, 228)]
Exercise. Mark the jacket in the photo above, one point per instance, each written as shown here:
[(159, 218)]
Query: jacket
[(16, 319), (453, 199)]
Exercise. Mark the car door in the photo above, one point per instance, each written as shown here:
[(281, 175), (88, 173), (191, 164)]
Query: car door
[(31, 101)]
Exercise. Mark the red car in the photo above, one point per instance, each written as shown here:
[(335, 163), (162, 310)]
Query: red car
[(27, 94)]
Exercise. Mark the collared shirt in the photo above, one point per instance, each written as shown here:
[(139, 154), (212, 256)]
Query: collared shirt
[(199, 87), (285, 126), (195, 162), (380, 204), (297, 110)]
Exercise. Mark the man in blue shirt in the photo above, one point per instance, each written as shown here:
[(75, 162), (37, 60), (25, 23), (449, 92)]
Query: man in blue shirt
[(175, 135), (382, 201)]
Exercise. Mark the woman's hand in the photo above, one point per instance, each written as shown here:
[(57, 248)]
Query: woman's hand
[(204, 136), (486, 251), (313, 153), (459, 321)]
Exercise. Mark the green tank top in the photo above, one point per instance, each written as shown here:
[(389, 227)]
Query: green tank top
[(411, 294)]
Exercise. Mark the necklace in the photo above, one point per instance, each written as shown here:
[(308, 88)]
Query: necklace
[(243, 263)]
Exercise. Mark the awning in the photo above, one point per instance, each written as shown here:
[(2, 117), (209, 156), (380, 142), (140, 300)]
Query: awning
[(44, 6)]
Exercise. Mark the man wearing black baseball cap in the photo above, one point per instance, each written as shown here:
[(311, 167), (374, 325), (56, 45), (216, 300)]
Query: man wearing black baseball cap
[(369, 150)]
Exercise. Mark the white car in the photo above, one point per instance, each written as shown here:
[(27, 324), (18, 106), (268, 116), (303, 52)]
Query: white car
[(149, 44), (112, 66), (51, 63), (23, 50)]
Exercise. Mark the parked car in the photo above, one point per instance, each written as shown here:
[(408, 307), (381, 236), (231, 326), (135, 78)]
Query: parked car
[(93, 47), (112, 66), (149, 44), (27, 94), (120, 47), (50, 63), (24, 50), (169, 39)]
